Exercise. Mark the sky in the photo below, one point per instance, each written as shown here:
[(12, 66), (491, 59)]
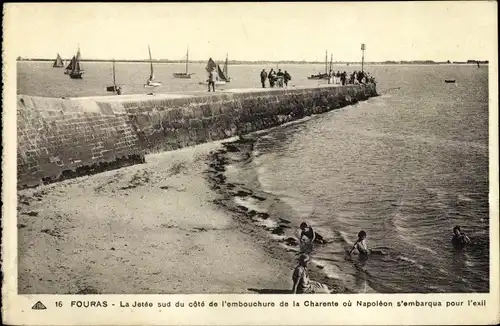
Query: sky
[(437, 31)]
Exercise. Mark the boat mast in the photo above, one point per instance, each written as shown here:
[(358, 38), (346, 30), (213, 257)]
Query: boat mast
[(151, 64), (187, 60), (226, 67), (114, 76), (331, 62), (326, 62), (78, 58)]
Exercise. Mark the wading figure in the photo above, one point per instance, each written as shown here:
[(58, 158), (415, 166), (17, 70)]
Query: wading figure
[(362, 248), (307, 237), (459, 240)]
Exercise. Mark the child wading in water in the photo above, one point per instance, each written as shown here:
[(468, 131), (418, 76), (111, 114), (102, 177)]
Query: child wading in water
[(459, 240), (307, 237), (362, 248), (361, 244)]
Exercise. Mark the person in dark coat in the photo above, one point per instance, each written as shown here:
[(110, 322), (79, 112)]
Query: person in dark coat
[(279, 77), (286, 78), (263, 77), (272, 77), (212, 77)]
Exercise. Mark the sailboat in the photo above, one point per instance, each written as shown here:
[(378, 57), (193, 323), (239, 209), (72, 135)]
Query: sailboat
[(151, 82), (115, 88), (320, 75), (58, 63), (68, 69), (184, 75), (75, 69)]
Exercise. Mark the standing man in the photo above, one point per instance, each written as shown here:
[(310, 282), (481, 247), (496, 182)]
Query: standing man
[(286, 78), (211, 79), (280, 76), (271, 76), (263, 77)]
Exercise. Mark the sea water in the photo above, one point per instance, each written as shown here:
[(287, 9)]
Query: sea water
[(405, 167)]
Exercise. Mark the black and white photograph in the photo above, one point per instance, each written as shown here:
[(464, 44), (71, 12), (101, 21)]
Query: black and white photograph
[(254, 148)]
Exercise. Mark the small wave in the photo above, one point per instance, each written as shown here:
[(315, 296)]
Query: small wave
[(411, 261), (464, 198), (330, 270), (426, 249), (469, 263), (344, 238), (249, 202), (444, 271)]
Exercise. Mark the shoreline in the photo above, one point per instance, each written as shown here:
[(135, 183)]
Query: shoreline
[(145, 229), (246, 201)]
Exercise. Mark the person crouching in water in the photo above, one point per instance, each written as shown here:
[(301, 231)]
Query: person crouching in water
[(363, 248), (459, 240), (301, 282), (263, 77), (307, 237), (211, 79)]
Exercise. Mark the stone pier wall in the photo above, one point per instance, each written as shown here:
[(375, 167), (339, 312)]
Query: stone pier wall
[(64, 138)]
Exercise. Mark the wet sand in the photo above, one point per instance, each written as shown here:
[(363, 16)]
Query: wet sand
[(154, 228)]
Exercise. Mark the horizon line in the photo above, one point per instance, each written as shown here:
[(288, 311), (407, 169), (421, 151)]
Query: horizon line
[(471, 61)]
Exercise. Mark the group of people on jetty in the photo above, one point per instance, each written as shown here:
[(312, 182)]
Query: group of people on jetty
[(279, 78), (308, 237), (356, 77)]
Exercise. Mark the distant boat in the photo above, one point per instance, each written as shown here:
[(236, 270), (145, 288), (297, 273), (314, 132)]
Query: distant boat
[(75, 69), (58, 63), (151, 82), (184, 75), (320, 75), (115, 88), (222, 77), (449, 81)]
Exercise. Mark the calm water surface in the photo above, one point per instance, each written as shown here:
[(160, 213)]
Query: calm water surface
[(41, 79)]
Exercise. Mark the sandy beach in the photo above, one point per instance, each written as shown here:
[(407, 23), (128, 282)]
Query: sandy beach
[(146, 229)]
